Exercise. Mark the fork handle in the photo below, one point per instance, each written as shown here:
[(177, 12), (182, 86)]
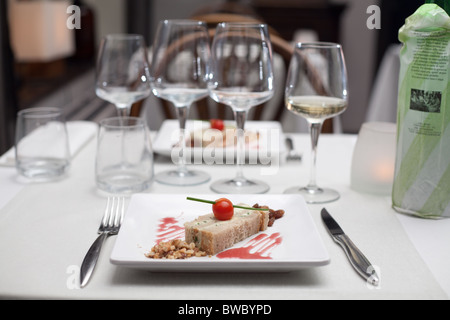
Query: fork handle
[(90, 260)]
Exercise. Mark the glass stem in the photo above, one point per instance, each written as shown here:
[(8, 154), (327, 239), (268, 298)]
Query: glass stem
[(240, 117), (314, 129), (182, 114), (124, 111)]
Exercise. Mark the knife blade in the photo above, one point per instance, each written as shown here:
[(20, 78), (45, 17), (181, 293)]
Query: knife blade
[(356, 257)]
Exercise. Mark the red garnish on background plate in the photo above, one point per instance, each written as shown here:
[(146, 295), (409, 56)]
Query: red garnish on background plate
[(217, 124)]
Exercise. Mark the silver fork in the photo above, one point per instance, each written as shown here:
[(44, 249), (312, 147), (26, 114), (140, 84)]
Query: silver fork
[(292, 154), (110, 225)]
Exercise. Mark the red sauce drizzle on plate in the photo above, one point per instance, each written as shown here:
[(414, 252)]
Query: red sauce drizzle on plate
[(169, 229), (257, 248)]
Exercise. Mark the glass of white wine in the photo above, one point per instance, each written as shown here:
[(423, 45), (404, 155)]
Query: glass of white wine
[(316, 89)]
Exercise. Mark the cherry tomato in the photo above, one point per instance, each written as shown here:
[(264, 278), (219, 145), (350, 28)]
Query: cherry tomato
[(217, 124), (223, 209)]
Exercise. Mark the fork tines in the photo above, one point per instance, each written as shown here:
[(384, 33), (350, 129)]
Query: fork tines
[(114, 212)]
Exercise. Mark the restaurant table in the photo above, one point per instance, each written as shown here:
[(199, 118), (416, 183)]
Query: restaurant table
[(47, 228)]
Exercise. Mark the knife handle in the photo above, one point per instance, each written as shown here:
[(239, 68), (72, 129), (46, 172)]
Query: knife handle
[(357, 259)]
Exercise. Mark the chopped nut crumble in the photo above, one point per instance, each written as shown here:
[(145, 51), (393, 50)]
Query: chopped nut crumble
[(174, 249)]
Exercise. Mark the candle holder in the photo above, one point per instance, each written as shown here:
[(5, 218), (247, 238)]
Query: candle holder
[(374, 158)]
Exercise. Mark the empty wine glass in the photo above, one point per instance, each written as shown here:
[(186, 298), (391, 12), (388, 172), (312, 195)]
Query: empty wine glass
[(241, 77), (316, 89), (179, 73), (122, 71)]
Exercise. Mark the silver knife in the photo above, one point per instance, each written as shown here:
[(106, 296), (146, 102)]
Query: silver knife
[(357, 259)]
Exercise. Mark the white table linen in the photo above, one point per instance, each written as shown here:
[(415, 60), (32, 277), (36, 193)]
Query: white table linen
[(46, 229)]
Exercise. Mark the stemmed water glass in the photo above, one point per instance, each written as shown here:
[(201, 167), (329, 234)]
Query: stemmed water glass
[(316, 89), (122, 71), (241, 77), (179, 74)]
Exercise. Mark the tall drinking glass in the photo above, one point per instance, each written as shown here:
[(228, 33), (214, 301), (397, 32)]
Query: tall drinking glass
[(123, 71), (179, 74), (242, 77), (316, 89)]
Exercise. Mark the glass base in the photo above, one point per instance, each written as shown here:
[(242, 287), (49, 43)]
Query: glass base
[(42, 170), (315, 195), (182, 178), (123, 182), (239, 186)]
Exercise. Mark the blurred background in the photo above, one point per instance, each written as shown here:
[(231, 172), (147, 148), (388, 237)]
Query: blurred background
[(45, 63)]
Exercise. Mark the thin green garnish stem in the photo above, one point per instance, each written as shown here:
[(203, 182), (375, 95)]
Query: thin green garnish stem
[(201, 200), (213, 202), (249, 208)]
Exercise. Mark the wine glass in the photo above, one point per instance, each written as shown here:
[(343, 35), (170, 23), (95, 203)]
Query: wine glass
[(122, 71), (179, 74), (241, 77), (316, 89)]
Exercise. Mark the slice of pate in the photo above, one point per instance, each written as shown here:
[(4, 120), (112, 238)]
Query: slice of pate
[(213, 236)]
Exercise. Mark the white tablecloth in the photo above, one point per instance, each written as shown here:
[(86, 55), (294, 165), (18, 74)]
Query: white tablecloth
[(46, 229)]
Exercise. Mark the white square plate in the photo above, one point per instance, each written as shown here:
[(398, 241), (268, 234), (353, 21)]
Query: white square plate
[(269, 145), (291, 243)]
